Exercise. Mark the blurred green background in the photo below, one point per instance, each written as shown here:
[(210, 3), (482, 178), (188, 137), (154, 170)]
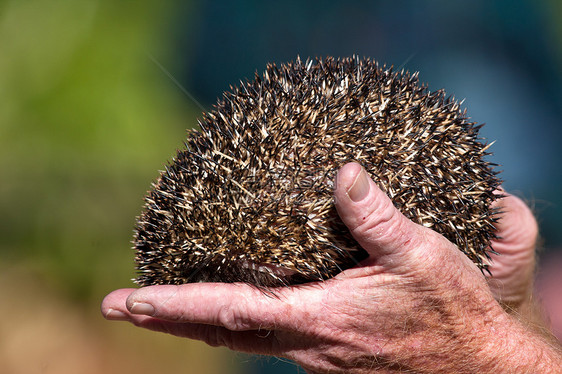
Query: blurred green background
[(87, 118), (86, 122)]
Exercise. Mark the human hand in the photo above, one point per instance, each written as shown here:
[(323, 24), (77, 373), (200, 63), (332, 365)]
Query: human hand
[(416, 304)]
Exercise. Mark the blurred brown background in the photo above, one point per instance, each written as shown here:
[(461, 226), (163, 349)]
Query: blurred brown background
[(87, 118)]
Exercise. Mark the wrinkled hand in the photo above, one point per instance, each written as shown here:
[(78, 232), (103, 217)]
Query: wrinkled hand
[(416, 304)]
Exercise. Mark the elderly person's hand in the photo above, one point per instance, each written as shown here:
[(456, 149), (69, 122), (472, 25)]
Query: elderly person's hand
[(416, 304)]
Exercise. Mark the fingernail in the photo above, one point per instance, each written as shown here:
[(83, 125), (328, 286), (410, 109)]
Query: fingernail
[(360, 187), (116, 315), (142, 308)]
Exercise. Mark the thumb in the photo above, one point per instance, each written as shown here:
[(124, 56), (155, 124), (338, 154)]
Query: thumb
[(370, 215)]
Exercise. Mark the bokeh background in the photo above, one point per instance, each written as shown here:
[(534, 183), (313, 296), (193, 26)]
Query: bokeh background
[(96, 95)]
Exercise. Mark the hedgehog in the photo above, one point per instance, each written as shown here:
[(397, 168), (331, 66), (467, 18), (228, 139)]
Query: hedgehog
[(250, 196)]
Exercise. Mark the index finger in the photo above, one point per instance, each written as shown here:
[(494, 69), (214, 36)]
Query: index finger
[(114, 307), (235, 306)]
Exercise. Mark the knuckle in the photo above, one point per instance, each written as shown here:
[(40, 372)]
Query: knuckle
[(231, 319), (385, 224)]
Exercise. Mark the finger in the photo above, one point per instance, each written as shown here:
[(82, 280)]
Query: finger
[(513, 267), (370, 215), (251, 341), (517, 227), (259, 341), (113, 306), (237, 307)]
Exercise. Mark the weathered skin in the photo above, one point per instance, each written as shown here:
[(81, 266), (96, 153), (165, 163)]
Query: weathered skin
[(417, 304)]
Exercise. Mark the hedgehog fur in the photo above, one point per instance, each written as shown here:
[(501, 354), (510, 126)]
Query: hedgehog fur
[(250, 198)]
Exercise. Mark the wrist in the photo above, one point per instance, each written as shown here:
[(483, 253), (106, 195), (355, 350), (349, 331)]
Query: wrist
[(493, 342), (509, 345)]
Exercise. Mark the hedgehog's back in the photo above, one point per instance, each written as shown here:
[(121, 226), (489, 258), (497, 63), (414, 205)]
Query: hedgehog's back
[(250, 198)]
